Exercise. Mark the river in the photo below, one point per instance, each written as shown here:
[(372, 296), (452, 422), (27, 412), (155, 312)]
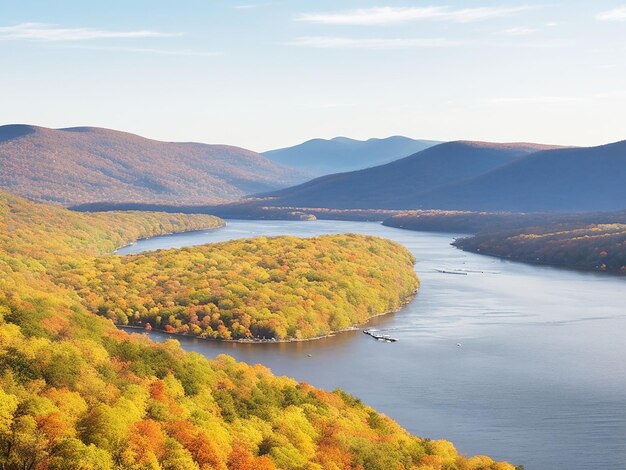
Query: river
[(519, 362)]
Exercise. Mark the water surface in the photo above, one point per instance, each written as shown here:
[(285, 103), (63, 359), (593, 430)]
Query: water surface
[(538, 379)]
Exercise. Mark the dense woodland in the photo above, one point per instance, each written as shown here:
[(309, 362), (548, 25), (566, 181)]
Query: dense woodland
[(598, 247), (590, 241), (273, 288), (77, 393)]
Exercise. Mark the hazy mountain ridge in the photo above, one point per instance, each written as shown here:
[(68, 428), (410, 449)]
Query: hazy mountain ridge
[(400, 184), (324, 156), (566, 179), (87, 164)]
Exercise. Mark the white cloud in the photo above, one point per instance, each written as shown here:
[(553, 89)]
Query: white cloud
[(324, 42), (536, 100), (395, 15), (326, 105), (557, 99), (49, 32), (519, 31), (611, 94), (252, 6), (146, 50), (617, 14)]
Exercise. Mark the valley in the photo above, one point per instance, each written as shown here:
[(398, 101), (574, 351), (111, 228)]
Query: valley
[(525, 374), (312, 235), (76, 392)]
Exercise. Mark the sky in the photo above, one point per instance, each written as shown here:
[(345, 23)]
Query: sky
[(270, 74)]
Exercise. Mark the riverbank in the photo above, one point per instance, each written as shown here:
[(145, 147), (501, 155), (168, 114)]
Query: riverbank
[(599, 248), (582, 242), (405, 302), (248, 209), (221, 224)]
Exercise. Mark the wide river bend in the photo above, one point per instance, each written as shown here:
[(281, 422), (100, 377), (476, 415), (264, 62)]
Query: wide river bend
[(520, 362)]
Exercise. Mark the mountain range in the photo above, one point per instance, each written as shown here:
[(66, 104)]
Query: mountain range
[(83, 165), (88, 164), (567, 179), (322, 156), (404, 183)]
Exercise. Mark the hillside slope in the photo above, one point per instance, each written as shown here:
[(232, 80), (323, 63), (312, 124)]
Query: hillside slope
[(402, 183), (594, 247), (76, 393), (569, 179), (85, 164), (587, 241), (322, 156)]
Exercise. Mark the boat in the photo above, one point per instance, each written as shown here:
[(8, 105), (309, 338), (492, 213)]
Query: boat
[(380, 337)]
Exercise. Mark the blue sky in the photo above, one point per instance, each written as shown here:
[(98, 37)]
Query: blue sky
[(268, 74)]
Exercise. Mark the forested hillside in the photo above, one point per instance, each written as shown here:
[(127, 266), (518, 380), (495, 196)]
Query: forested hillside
[(490, 222), (261, 288), (87, 164), (590, 241), (596, 247), (76, 393)]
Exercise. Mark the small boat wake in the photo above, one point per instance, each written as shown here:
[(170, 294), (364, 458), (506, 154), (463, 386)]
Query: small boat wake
[(464, 272), (446, 271)]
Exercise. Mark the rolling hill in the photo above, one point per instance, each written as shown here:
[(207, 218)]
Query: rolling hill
[(86, 164), (321, 156), (568, 179), (403, 183), (594, 247)]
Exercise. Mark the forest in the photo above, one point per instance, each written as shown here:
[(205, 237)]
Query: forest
[(588, 241), (78, 393), (262, 288), (596, 247)]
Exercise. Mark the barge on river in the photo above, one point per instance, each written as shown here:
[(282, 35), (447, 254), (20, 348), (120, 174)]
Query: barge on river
[(380, 337)]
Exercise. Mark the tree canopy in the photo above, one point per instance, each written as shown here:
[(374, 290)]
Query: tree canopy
[(77, 393), (278, 288), (594, 247)]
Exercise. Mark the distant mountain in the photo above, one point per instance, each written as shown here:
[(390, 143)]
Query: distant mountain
[(86, 164), (403, 183), (321, 156), (568, 179)]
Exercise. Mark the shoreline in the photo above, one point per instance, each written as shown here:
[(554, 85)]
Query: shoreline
[(222, 225), (560, 266), (356, 327)]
